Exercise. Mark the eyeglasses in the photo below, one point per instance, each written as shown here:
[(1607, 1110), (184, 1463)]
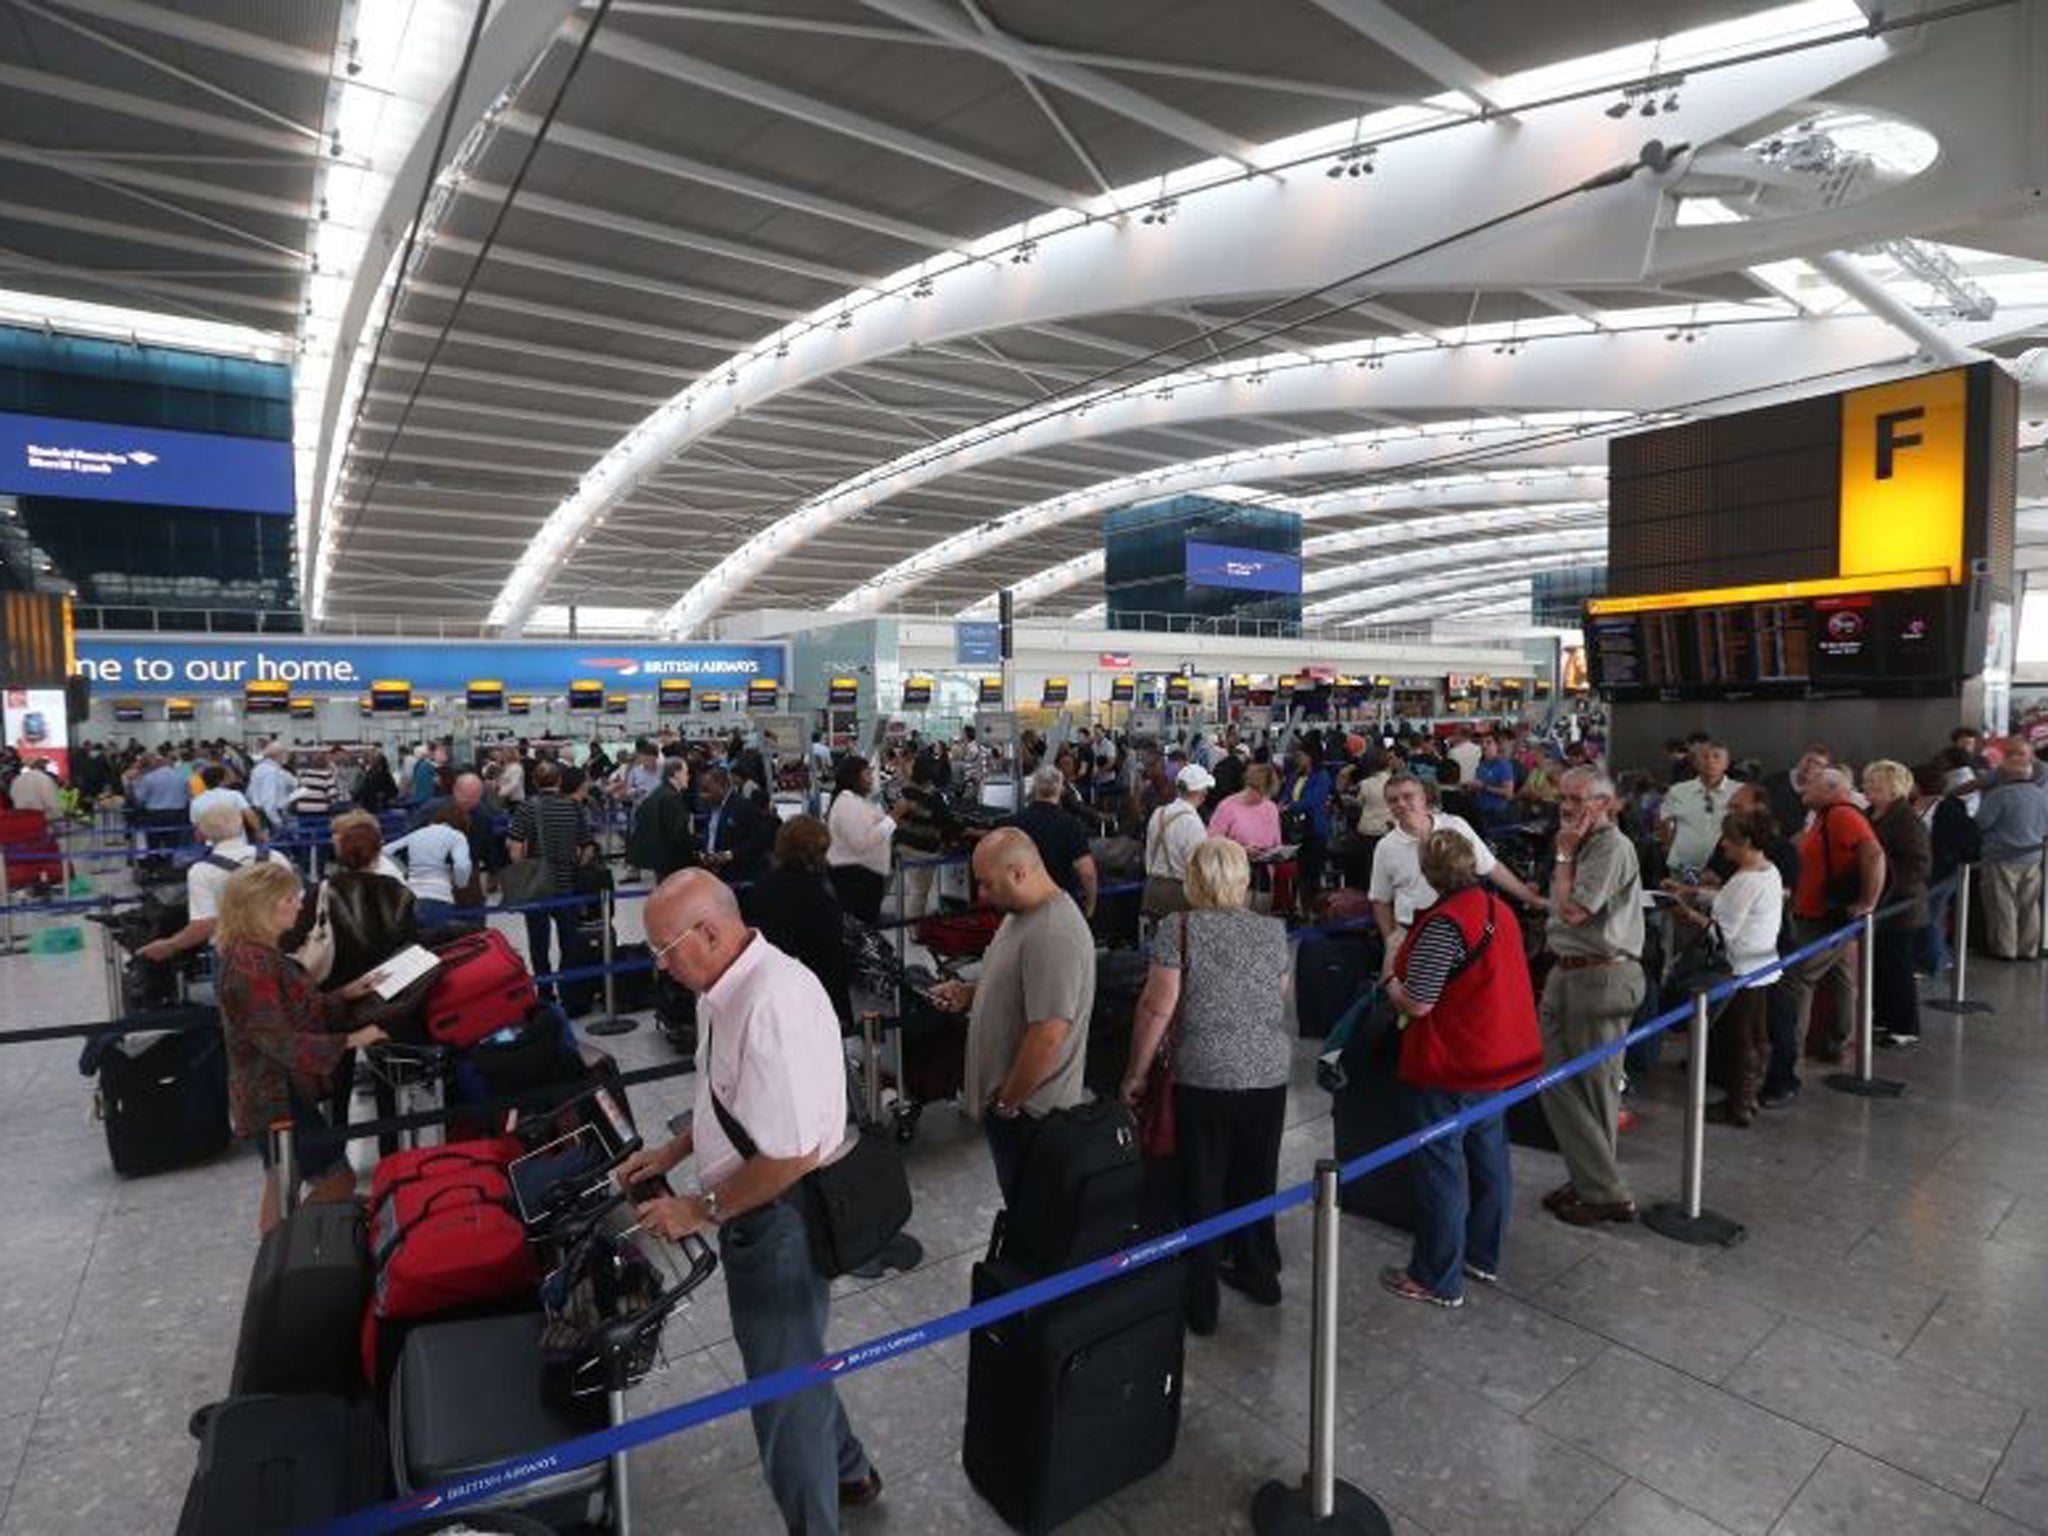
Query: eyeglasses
[(655, 954)]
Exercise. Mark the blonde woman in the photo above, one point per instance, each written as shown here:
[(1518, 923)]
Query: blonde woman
[(282, 1048), (1226, 969), (1908, 857)]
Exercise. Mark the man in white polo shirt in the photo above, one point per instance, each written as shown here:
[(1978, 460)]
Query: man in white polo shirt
[(1397, 889), (771, 1106), (1689, 819), (222, 826)]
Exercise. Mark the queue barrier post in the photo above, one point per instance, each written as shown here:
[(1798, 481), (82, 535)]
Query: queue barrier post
[(610, 1023), (284, 1164), (2042, 901), (871, 1067), (1686, 1220), (1959, 999), (110, 962), (1321, 1501), (1863, 1081)]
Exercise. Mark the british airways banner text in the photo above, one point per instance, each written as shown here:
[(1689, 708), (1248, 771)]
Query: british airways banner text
[(98, 461), (145, 664), (1246, 570)]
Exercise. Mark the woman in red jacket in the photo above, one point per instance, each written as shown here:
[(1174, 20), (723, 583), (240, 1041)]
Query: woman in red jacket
[(1462, 985)]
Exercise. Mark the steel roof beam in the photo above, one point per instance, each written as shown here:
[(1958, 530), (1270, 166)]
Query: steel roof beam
[(641, 53), (1075, 79), (586, 272), (149, 109), (704, 173), (90, 168), (666, 234), (1384, 27), (136, 234), (215, 36)]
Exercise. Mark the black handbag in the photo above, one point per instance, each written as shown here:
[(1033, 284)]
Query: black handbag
[(852, 1206)]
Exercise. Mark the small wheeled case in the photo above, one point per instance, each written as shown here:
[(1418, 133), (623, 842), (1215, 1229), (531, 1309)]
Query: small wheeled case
[(275, 1464)]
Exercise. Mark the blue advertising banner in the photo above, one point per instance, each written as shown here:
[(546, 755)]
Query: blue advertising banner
[(977, 643), (99, 461), (161, 664), (1243, 570)]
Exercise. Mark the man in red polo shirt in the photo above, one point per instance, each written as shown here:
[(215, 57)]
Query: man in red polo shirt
[(1841, 877)]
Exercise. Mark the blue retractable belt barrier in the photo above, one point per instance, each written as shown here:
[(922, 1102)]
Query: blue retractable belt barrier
[(585, 1449)]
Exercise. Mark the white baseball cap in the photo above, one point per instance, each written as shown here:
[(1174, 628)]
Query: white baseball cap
[(1195, 776)]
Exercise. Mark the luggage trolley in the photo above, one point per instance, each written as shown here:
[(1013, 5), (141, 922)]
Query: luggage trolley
[(479, 1391)]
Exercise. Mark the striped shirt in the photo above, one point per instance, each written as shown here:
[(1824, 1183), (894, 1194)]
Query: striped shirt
[(550, 826), (1436, 951), (318, 792)]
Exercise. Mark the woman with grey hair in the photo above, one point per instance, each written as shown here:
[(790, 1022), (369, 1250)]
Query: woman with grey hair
[(1230, 1054)]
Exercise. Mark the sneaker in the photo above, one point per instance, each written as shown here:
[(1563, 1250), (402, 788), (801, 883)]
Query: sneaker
[(1398, 1282), (1778, 1098), (1483, 1276), (1887, 1041)]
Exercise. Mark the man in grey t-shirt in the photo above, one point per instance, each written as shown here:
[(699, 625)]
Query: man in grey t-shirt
[(1027, 1033)]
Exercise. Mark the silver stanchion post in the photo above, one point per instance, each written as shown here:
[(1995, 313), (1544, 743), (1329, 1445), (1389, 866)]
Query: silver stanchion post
[(110, 962), (1862, 1082), (1959, 999), (622, 1485), (871, 1066), (1686, 1220), (611, 1023), (1321, 1501), (10, 941), (284, 1164)]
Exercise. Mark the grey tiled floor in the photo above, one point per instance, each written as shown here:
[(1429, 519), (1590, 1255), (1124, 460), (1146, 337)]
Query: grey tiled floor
[(1873, 1360)]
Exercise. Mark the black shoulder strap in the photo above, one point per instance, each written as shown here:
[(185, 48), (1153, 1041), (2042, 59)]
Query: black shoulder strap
[(729, 1123), (221, 861), (1474, 951)]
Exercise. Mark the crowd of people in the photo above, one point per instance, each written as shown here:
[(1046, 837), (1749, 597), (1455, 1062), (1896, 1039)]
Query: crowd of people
[(1529, 906)]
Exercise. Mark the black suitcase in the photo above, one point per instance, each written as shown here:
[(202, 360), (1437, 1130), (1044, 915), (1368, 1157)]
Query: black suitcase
[(633, 991), (1080, 1190), (675, 1013), (304, 1312), (164, 1096), (1368, 1112), (1119, 979), (468, 1394), (275, 1464), (1071, 1401), (1330, 970)]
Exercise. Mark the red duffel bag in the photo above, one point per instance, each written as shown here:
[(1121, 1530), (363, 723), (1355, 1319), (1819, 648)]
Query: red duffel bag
[(33, 857), (439, 1165), (481, 987)]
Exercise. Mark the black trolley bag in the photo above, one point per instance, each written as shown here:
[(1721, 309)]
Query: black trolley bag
[(1080, 1190), (307, 1294), (1073, 1400), (163, 1090), (276, 1464)]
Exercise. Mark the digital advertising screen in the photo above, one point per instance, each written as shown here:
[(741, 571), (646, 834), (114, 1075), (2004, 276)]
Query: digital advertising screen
[(101, 461), (1243, 570), (37, 726)]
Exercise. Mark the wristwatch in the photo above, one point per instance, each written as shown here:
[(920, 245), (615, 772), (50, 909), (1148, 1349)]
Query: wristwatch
[(709, 1200), (999, 1109)]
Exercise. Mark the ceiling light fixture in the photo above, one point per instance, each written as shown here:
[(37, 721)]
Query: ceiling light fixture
[(1161, 211), (1022, 252), (1358, 160)]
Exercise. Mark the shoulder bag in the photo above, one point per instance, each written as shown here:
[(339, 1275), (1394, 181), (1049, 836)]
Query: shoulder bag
[(1158, 1123), (316, 954), (852, 1206)]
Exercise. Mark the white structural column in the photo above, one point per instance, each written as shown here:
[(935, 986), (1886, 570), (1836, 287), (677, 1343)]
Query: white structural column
[(513, 38), (1443, 185)]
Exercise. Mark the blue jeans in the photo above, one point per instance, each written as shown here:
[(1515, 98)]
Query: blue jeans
[(561, 921), (779, 1308), (1462, 1184)]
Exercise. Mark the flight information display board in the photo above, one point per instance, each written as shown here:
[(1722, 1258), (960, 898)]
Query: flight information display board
[(1833, 645)]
